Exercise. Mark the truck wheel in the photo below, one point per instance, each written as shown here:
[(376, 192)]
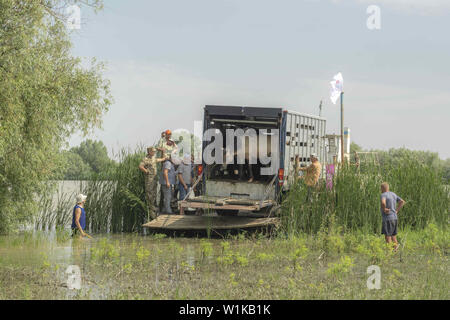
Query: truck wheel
[(222, 213)]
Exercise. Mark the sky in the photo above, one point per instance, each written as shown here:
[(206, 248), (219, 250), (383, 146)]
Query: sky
[(166, 60)]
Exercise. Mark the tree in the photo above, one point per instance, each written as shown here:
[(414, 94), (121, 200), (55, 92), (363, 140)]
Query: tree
[(46, 94), (94, 154), (446, 169), (355, 147), (75, 167)]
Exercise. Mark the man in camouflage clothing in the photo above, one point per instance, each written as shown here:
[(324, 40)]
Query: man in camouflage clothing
[(149, 167), (166, 145)]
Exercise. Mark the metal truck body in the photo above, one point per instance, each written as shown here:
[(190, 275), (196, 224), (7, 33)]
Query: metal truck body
[(225, 186)]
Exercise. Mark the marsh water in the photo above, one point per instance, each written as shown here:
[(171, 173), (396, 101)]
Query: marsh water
[(58, 251), (44, 265)]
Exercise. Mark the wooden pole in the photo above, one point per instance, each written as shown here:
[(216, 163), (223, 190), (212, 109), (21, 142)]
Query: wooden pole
[(342, 127)]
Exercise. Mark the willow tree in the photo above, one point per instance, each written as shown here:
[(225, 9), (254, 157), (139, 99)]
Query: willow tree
[(46, 95)]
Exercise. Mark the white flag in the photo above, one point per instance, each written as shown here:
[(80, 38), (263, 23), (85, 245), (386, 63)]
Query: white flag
[(337, 86)]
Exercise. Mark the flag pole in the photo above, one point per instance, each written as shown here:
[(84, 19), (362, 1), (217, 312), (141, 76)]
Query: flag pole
[(342, 127)]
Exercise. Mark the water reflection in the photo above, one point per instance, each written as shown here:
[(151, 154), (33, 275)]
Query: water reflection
[(168, 259)]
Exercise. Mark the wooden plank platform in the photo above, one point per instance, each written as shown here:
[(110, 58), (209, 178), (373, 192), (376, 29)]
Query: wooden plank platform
[(214, 203), (184, 222)]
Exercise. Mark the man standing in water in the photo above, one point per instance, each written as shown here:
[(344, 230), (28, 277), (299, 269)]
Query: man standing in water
[(79, 217), (389, 212), (148, 166)]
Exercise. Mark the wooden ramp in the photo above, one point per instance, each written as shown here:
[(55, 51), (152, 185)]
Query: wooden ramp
[(185, 222)]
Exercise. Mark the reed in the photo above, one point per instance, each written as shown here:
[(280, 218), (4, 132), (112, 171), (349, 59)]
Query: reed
[(115, 203), (354, 201), (53, 214), (116, 198)]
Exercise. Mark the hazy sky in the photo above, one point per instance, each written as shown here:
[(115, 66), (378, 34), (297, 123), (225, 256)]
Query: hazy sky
[(167, 59)]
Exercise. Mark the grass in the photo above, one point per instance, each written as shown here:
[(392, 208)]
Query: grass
[(52, 215), (354, 201), (304, 267), (116, 198), (321, 251)]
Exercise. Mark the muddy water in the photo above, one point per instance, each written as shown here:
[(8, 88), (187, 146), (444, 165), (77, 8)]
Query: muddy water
[(46, 249), (29, 249)]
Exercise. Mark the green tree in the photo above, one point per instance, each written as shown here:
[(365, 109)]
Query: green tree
[(75, 167), (355, 147), (46, 94), (446, 170), (94, 154)]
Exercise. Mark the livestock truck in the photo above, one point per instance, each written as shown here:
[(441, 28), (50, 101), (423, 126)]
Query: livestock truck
[(249, 156)]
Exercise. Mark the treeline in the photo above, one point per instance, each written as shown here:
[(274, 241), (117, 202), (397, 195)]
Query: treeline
[(46, 95), (395, 156), (91, 158), (82, 162)]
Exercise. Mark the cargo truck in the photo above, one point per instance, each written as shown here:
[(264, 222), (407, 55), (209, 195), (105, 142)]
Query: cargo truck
[(250, 156)]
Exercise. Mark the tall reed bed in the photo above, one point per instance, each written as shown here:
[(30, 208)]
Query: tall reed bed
[(354, 202), (55, 209), (116, 198)]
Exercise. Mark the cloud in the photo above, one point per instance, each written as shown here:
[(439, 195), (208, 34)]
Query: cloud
[(151, 97), (383, 116)]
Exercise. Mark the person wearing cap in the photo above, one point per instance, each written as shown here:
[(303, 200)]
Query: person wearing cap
[(79, 217), (312, 174), (167, 146), (149, 167), (184, 173)]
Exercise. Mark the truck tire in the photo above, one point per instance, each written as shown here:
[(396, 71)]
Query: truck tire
[(223, 213)]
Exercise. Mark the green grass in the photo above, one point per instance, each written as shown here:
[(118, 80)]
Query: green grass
[(321, 251), (116, 198), (354, 201)]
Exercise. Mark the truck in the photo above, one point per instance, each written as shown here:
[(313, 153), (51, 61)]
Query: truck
[(250, 156)]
